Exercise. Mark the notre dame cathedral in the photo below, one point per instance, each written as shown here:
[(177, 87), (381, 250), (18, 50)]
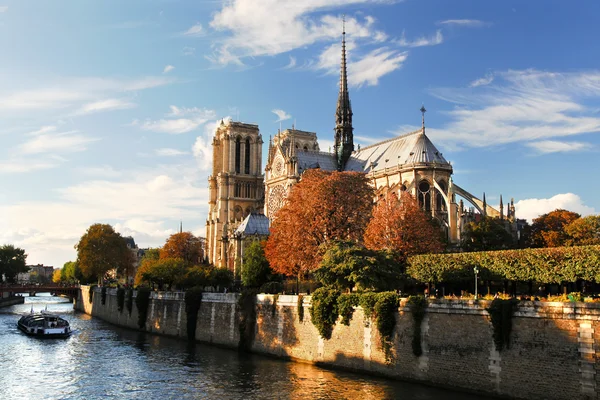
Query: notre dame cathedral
[(243, 200)]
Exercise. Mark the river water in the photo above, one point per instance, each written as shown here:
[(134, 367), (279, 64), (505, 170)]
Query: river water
[(104, 361)]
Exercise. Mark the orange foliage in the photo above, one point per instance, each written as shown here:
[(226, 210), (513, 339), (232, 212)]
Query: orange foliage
[(402, 227), (324, 206), (548, 230), (184, 245)]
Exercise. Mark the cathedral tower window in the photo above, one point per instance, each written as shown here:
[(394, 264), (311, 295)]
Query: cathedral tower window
[(424, 195), (247, 157), (238, 146)]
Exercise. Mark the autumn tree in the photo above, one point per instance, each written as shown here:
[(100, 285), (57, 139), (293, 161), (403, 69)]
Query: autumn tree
[(323, 207), (486, 234), (184, 245), (100, 250), (548, 230), (584, 231), (12, 262), (255, 269), (151, 256), (165, 272), (347, 265), (402, 227)]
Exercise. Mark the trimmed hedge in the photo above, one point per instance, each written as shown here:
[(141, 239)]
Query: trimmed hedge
[(546, 265)]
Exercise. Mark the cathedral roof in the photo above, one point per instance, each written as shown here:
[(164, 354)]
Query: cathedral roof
[(412, 148), (315, 159), (254, 224)]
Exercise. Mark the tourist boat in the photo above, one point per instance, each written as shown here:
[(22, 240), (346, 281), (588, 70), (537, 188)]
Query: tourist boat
[(44, 325)]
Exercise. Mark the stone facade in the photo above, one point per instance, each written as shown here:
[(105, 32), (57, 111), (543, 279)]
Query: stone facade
[(236, 187), (553, 353)]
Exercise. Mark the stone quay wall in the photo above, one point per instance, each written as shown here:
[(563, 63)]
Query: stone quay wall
[(553, 353)]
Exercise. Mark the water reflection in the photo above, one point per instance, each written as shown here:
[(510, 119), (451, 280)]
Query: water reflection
[(109, 362)]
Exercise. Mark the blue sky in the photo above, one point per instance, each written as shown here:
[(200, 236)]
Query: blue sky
[(107, 108)]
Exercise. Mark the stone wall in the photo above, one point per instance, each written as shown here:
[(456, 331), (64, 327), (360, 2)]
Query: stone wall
[(552, 355)]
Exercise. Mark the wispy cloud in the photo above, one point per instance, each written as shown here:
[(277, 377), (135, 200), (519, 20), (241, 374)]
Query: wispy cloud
[(3, 9), (168, 69), (470, 23), (24, 165), (178, 121), (553, 146), (281, 115), (486, 80), (168, 152), (521, 106), (195, 30), (433, 40), (291, 64), (104, 105), (188, 51), (62, 142)]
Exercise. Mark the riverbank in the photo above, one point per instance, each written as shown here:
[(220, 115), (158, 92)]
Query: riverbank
[(11, 301), (551, 353)]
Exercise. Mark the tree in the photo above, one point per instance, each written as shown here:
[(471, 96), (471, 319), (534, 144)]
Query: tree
[(100, 250), (324, 206), (165, 272), (12, 262), (71, 273), (255, 269), (346, 265), (583, 231), (184, 245), (402, 227), (151, 257), (56, 276), (548, 230), (486, 234)]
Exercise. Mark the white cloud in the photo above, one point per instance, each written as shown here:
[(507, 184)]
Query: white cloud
[(168, 152), (189, 51), (553, 146), (533, 208), (433, 40), (291, 64), (68, 142), (104, 105), (281, 115), (202, 148), (521, 106), (25, 165), (471, 23), (168, 69), (3, 9), (190, 119), (280, 26), (195, 30), (486, 80), (43, 129)]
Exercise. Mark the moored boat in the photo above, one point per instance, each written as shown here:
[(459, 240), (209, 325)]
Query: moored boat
[(44, 325)]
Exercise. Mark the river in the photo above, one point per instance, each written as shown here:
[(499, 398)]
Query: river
[(105, 361)]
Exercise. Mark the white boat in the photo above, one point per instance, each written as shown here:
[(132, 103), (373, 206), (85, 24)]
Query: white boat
[(44, 325)]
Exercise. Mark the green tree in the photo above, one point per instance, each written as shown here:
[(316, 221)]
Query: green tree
[(583, 231), (255, 270), (71, 273), (12, 262), (198, 276), (346, 265), (487, 234), (166, 272), (100, 250)]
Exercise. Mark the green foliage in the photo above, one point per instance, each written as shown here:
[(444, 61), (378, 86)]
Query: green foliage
[(386, 309), (142, 300), (193, 301), (584, 231), (546, 265), (346, 304), (255, 269), (247, 322), (346, 265), (129, 302), (165, 272), (300, 307), (487, 234), (71, 273), (501, 312), (120, 299), (198, 276), (367, 301), (12, 262), (417, 305), (324, 310), (222, 277), (103, 295), (271, 288)]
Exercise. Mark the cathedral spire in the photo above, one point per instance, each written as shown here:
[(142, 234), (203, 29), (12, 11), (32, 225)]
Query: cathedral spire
[(484, 206), (344, 141), (501, 208)]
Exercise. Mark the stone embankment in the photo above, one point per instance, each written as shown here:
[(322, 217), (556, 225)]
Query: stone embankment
[(553, 349)]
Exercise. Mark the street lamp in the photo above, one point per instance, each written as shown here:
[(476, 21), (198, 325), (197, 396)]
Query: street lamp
[(476, 270)]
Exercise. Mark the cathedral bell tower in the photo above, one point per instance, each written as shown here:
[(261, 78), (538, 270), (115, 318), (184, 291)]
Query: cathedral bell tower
[(344, 141)]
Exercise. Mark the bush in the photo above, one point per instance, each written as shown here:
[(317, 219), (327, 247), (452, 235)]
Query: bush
[(271, 288), (120, 299), (255, 270), (247, 321), (129, 302), (142, 300), (367, 302), (346, 304), (324, 310), (386, 309), (300, 307), (417, 305), (193, 301), (501, 312)]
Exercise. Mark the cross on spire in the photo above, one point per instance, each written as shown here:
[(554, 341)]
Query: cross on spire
[(423, 111)]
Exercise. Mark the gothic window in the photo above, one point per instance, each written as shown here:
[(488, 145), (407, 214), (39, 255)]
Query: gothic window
[(238, 146), (305, 148), (276, 199), (247, 158), (237, 190), (424, 195), (238, 213)]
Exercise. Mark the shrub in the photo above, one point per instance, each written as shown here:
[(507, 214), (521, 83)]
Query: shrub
[(501, 312), (367, 302), (386, 309), (142, 300), (417, 305), (129, 301), (247, 321), (193, 301), (324, 310), (300, 307), (346, 304), (271, 287), (120, 299)]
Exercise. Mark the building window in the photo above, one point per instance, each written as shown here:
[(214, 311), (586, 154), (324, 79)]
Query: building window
[(238, 146), (247, 158)]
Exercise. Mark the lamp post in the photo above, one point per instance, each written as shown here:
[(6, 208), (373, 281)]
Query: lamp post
[(476, 270)]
